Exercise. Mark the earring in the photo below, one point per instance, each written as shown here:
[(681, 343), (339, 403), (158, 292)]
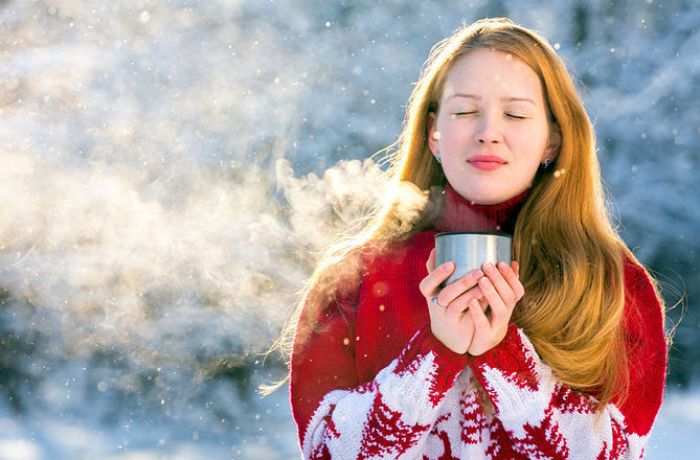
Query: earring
[(437, 157), (547, 163)]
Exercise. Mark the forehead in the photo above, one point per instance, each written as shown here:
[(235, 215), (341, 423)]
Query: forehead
[(486, 73)]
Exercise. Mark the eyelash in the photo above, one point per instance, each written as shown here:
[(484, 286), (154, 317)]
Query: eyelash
[(515, 117)]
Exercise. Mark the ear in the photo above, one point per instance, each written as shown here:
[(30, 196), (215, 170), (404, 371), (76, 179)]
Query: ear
[(432, 129), (551, 151)]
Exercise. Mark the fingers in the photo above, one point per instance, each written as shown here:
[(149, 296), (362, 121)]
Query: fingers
[(499, 283), (510, 274), (499, 310), (503, 289), (430, 283), (430, 264), (485, 333), (478, 316), (453, 290), (461, 303)]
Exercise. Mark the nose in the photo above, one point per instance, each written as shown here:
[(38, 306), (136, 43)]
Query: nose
[(488, 131)]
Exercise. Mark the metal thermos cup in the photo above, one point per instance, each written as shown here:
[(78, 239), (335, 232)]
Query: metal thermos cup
[(470, 251)]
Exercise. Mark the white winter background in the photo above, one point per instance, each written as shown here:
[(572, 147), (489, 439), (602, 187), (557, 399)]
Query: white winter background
[(170, 170)]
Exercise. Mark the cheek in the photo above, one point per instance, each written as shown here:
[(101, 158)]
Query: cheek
[(453, 133), (528, 141)]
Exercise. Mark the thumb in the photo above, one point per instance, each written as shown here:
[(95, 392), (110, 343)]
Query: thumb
[(430, 264)]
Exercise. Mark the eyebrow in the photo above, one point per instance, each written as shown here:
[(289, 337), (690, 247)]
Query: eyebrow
[(505, 99)]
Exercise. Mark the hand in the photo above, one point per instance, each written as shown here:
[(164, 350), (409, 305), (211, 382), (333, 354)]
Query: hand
[(449, 320), (502, 289)]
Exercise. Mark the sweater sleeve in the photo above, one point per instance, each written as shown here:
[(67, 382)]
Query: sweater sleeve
[(546, 419), (341, 418)]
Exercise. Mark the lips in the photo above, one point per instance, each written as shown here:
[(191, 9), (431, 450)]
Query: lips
[(486, 162)]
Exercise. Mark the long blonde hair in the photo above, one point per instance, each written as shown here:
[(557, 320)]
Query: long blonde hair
[(571, 257)]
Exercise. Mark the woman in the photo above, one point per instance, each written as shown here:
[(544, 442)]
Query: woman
[(561, 354)]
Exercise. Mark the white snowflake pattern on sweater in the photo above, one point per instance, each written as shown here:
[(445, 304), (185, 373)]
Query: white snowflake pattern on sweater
[(420, 407)]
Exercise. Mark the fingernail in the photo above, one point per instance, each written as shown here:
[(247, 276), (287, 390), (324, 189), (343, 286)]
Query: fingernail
[(502, 265), (447, 266), (489, 267), (476, 274)]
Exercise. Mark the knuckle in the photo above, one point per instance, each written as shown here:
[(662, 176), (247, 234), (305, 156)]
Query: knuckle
[(466, 281), (519, 292), (422, 286), (444, 292), (468, 297), (458, 304)]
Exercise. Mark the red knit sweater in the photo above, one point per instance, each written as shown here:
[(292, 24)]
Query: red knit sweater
[(377, 384)]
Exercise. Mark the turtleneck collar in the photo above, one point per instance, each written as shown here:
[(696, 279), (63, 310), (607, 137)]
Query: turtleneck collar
[(460, 215)]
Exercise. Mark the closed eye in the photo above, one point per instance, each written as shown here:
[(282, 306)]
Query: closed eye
[(516, 117), (464, 113)]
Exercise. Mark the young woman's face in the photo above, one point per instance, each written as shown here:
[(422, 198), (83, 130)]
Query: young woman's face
[(492, 129)]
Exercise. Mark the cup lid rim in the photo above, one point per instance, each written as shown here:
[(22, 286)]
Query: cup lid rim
[(474, 233)]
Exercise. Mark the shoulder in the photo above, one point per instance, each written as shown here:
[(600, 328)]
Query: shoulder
[(639, 286), (340, 283), (646, 348), (379, 256), (643, 306)]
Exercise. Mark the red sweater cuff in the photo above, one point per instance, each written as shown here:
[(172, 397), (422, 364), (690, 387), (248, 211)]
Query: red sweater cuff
[(508, 356), (449, 364)]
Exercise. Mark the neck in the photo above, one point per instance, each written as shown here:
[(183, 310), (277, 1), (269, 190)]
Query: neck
[(461, 215)]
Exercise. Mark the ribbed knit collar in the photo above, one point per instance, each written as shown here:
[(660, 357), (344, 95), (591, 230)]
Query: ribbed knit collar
[(460, 215)]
